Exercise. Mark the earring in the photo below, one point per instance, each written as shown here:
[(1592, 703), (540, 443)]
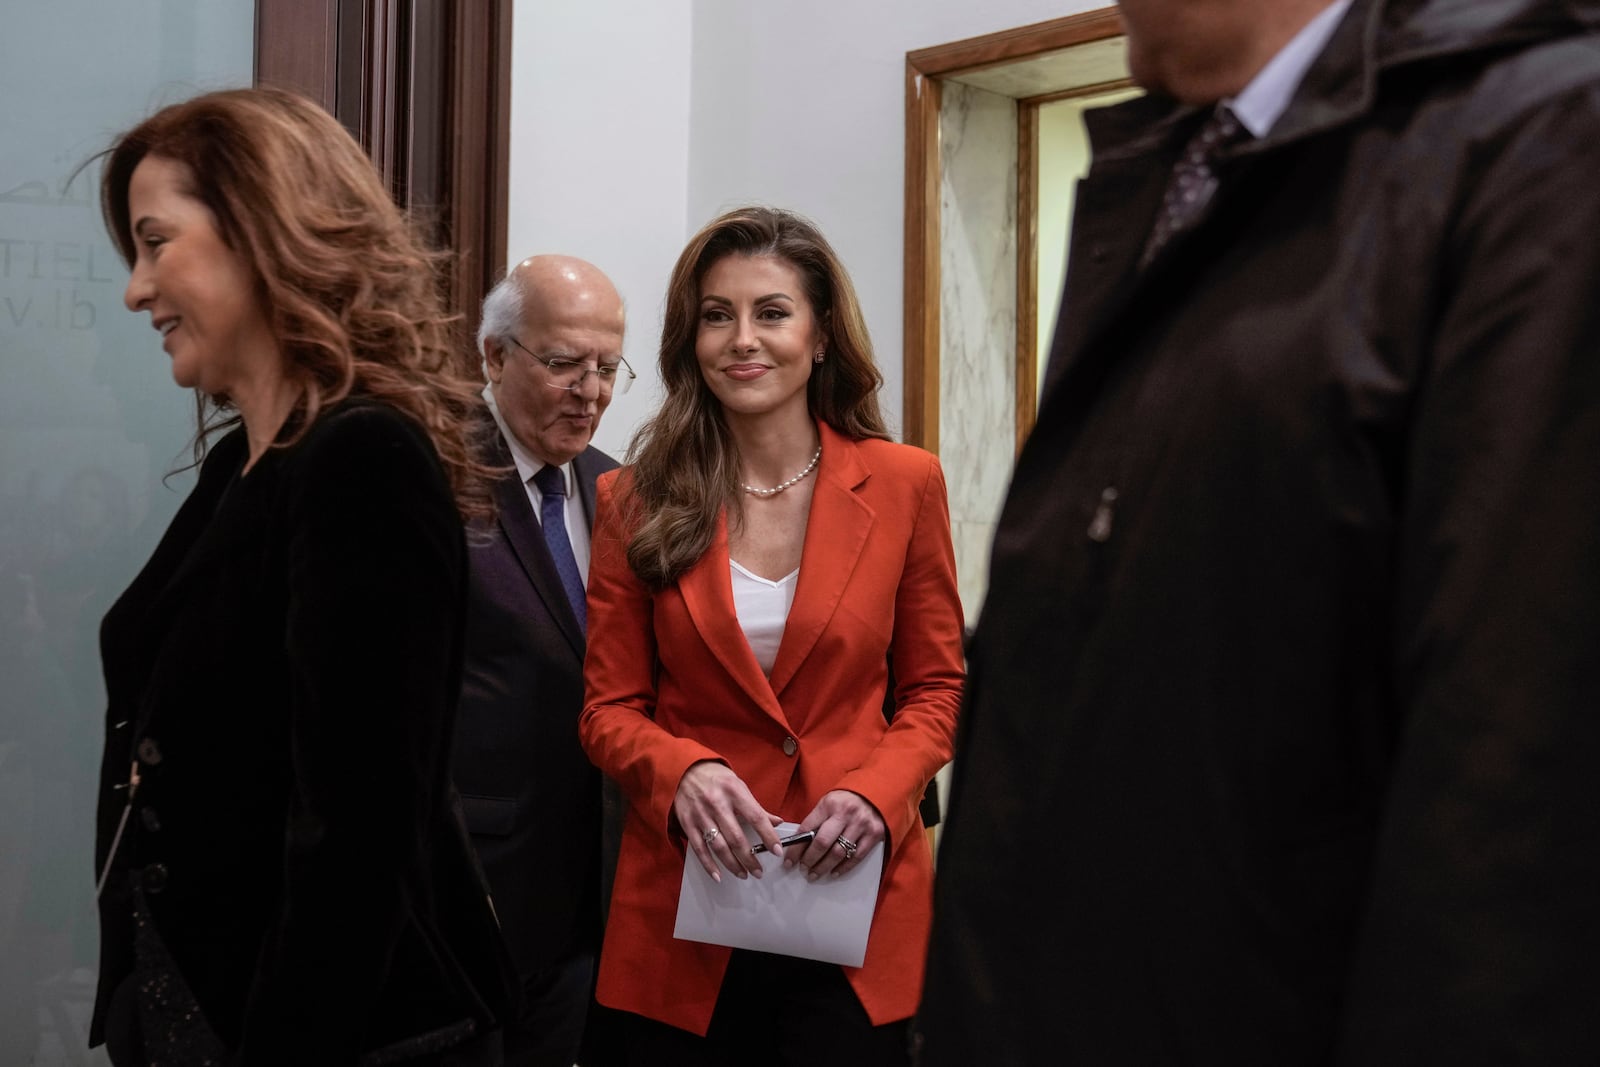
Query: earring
[(818, 357)]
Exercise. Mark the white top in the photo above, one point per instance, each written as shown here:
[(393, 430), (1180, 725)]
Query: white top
[(1264, 100), (762, 606), (528, 465)]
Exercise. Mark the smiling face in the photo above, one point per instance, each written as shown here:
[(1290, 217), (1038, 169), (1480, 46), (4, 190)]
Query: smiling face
[(201, 295), (757, 336)]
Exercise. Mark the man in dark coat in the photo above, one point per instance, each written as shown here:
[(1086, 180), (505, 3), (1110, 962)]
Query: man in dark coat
[(1282, 743), (552, 345)]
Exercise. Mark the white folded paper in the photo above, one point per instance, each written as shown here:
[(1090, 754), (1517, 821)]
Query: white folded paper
[(781, 911)]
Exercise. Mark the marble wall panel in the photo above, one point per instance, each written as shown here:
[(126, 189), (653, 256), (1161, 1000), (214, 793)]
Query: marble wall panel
[(978, 316)]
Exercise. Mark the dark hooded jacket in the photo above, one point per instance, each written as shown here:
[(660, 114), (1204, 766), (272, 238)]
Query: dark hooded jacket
[(1282, 740)]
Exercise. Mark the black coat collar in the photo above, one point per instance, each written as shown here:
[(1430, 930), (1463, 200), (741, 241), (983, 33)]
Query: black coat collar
[(1375, 39)]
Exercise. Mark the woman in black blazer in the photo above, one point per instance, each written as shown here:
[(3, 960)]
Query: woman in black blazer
[(284, 878)]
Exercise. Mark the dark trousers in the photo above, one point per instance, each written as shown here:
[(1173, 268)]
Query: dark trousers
[(780, 1010), (554, 1004)]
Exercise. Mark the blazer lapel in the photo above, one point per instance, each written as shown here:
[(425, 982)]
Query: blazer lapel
[(836, 533), (205, 535), (188, 543), (526, 539), (707, 591), (585, 474)]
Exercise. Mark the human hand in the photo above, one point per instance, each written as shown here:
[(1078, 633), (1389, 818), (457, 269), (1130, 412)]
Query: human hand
[(840, 816), (712, 807)]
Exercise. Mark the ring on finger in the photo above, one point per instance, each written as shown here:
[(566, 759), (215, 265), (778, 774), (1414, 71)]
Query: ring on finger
[(711, 835), (847, 846)]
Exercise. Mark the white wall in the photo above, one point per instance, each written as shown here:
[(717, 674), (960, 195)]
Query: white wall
[(803, 106), (600, 157), (636, 121)]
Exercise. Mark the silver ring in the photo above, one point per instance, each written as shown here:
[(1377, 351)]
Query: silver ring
[(711, 835), (847, 845)]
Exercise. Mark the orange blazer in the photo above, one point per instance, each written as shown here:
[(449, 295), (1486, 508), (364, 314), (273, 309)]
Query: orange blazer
[(670, 679)]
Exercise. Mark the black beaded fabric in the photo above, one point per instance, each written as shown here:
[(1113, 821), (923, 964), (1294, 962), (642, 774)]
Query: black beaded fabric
[(173, 1029)]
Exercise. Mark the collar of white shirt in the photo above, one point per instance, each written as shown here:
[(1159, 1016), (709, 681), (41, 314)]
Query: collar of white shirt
[(526, 462), (1267, 96)]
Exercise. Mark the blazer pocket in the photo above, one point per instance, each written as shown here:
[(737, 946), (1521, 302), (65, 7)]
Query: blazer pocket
[(489, 816)]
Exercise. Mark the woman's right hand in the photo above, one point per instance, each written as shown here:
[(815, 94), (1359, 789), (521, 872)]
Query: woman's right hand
[(712, 798)]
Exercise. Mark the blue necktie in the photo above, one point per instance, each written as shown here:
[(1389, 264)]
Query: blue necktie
[(552, 517)]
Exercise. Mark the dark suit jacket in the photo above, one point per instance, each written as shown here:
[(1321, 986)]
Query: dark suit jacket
[(533, 800), (284, 671)]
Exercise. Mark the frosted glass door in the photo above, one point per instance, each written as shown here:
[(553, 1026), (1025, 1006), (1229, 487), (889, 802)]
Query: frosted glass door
[(90, 422)]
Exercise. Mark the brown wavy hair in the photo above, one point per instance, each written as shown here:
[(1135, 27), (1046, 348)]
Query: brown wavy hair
[(351, 289), (685, 462)]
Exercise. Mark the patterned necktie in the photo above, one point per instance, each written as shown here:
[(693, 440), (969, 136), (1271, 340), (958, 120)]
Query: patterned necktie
[(1193, 181), (552, 485)]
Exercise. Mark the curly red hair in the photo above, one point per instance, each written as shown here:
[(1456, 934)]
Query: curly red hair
[(351, 290)]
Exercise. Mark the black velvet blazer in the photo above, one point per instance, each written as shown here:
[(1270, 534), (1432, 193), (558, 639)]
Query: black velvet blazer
[(283, 674)]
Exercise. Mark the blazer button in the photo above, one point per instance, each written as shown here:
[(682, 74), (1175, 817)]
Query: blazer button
[(149, 819), (149, 752), (790, 746), (154, 878)]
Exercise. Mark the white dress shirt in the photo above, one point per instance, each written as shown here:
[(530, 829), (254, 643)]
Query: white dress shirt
[(1264, 100)]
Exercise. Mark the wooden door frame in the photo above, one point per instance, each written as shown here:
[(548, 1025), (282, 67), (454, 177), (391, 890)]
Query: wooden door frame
[(425, 86), (926, 70)]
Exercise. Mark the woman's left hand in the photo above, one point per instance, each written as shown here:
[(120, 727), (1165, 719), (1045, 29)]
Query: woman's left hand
[(841, 818)]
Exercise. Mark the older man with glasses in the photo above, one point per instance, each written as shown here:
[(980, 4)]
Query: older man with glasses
[(552, 346)]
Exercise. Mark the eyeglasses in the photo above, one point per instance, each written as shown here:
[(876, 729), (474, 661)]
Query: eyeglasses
[(570, 374)]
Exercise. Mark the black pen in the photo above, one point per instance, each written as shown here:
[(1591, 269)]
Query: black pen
[(798, 839)]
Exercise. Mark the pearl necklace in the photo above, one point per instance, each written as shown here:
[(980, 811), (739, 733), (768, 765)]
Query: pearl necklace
[(781, 486)]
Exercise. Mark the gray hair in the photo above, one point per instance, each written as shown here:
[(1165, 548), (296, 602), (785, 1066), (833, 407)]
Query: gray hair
[(502, 312)]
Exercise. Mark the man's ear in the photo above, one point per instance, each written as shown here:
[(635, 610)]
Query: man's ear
[(494, 359)]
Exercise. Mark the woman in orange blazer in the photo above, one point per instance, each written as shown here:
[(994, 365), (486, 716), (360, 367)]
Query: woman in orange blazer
[(717, 703)]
